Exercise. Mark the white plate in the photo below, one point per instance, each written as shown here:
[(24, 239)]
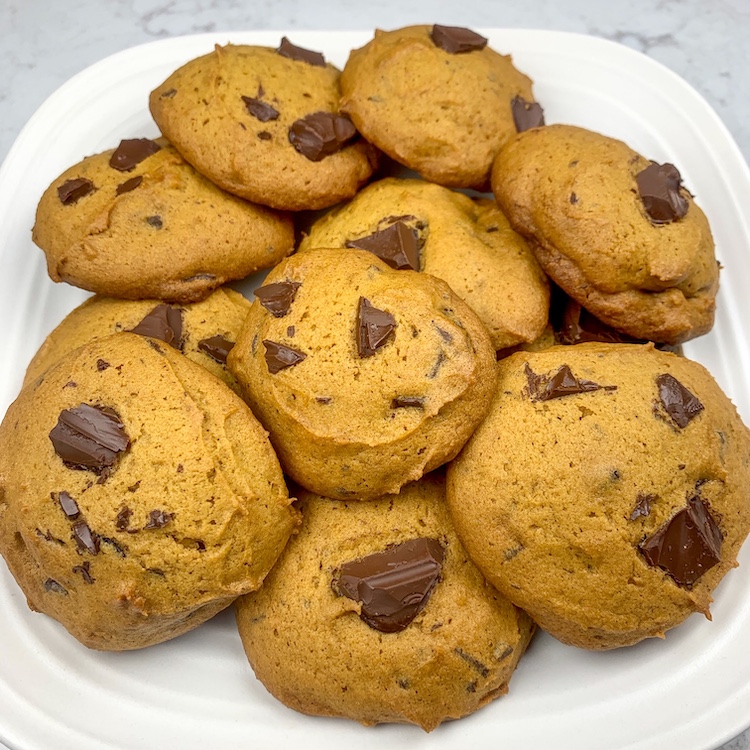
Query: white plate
[(690, 691)]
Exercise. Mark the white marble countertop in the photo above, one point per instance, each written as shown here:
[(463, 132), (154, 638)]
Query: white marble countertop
[(44, 42)]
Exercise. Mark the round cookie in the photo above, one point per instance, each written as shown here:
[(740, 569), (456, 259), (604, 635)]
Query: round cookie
[(618, 233), (138, 494), (437, 100), (606, 491), (203, 331), (264, 124), (332, 633), (139, 222), (466, 242), (365, 377)]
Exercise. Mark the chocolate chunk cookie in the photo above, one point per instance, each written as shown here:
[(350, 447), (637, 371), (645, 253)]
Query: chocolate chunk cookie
[(436, 99), (618, 233), (417, 225), (138, 222), (203, 331), (265, 124), (138, 494), (375, 613), (606, 491), (365, 377)]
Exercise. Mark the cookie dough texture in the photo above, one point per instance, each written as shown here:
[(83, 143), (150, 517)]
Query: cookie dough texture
[(350, 424), (156, 230), (556, 520), (222, 313), (202, 109), (311, 650), (443, 115), (191, 514), (574, 194), (466, 242)]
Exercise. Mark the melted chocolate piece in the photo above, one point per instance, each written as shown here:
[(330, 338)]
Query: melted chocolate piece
[(155, 222), (89, 437), (52, 585), (677, 400), (687, 545), (102, 365), (277, 298), (164, 322), (374, 328), (393, 586), (157, 519), (130, 153), (279, 357), (403, 402), (561, 383), (659, 189), (122, 521), (397, 245), (526, 115), (456, 39), (72, 191), (260, 110), (85, 571), (264, 135), (217, 347), (642, 505), (129, 185), (287, 49), (69, 505), (321, 134), (86, 539)]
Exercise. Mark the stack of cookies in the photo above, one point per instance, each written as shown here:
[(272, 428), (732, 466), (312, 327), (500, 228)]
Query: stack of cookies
[(464, 366)]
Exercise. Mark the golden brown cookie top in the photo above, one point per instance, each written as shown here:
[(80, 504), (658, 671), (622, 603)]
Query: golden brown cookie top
[(584, 198), (468, 243), (138, 222), (265, 124), (440, 108)]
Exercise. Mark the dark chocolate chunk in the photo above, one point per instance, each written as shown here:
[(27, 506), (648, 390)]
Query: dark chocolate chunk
[(217, 347), (102, 365), (168, 94), (128, 185), (642, 505), (131, 152), (69, 505), (393, 586), (155, 222), (397, 245), (85, 571), (403, 402), (52, 585), (260, 110), (323, 399), (321, 134), (122, 520), (561, 383), (287, 49), (677, 400), (573, 198), (374, 328), (157, 519), (659, 189), (48, 536), (473, 662), (72, 191), (89, 437), (456, 39), (687, 545), (264, 135), (86, 539), (279, 357), (527, 115), (277, 298), (164, 322)]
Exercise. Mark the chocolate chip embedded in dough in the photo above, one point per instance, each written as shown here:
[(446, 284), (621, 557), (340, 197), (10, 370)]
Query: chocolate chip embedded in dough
[(687, 545), (216, 347), (397, 245), (321, 134), (642, 505), (681, 405), (157, 519), (279, 357), (164, 322), (659, 189), (69, 505), (562, 383), (277, 298), (131, 152), (155, 221), (89, 437), (52, 585), (287, 49), (456, 39), (122, 520), (527, 115), (375, 328), (260, 110), (405, 402), (128, 185), (392, 586), (72, 191), (85, 571), (86, 539)]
